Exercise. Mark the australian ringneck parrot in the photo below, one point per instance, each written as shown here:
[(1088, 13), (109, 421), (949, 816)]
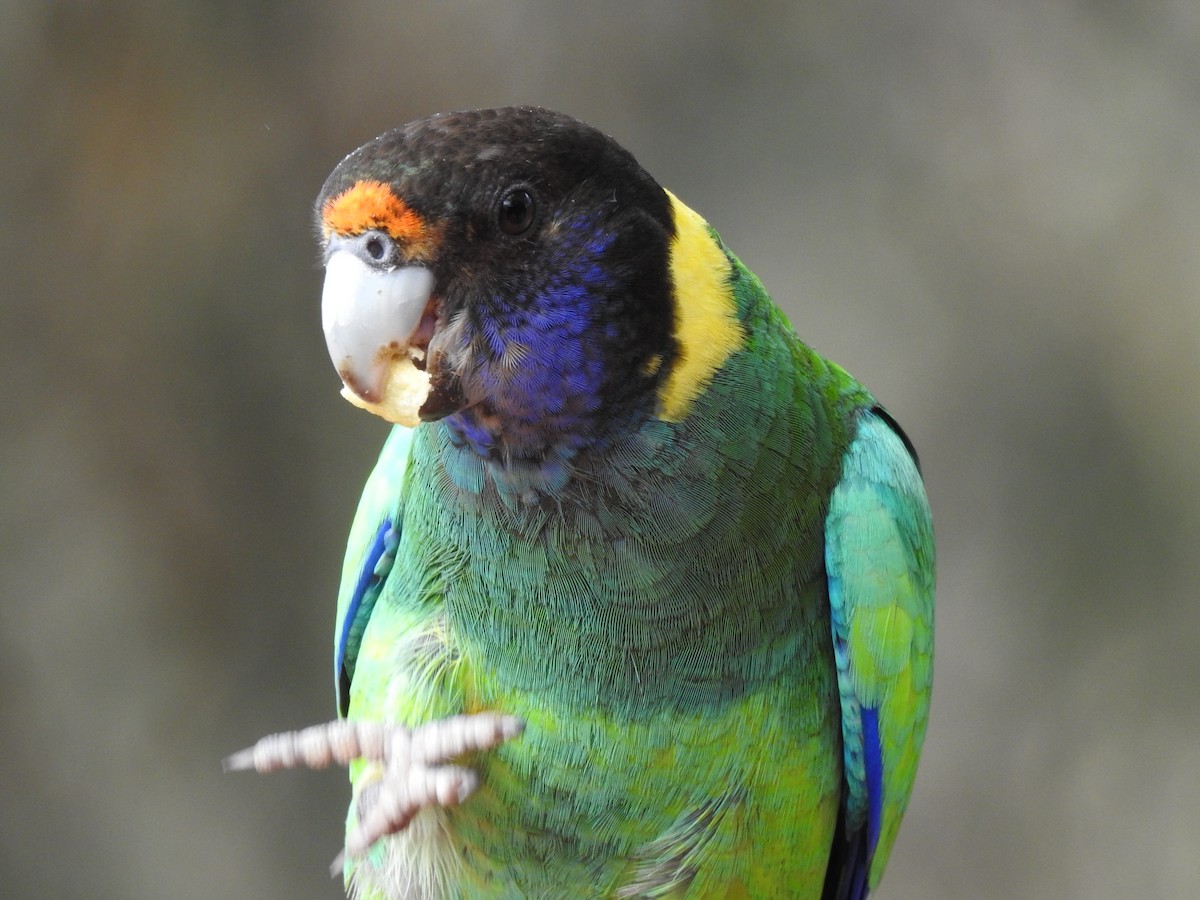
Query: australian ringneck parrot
[(654, 577)]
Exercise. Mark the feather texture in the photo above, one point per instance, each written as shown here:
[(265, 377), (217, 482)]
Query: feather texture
[(880, 561), (689, 553)]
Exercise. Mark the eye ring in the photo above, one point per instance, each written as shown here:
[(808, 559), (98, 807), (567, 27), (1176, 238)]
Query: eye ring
[(375, 247), (516, 211)]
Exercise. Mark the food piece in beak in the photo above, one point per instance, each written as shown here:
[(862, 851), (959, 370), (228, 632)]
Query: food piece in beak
[(405, 390)]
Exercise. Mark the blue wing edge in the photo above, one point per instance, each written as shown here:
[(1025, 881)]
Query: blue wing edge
[(860, 818)]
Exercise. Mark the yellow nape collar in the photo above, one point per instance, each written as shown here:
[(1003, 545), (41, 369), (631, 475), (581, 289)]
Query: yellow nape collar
[(707, 330)]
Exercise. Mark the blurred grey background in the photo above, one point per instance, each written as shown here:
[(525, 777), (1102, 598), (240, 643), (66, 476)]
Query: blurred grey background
[(989, 210)]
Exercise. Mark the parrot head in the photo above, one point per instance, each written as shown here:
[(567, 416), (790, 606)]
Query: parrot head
[(506, 270)]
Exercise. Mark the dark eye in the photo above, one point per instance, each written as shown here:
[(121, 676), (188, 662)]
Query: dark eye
[(376, 249), (516, 211)]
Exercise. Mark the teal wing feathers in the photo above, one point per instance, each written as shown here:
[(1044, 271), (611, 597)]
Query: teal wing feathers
[(370, 553), (879, 560)]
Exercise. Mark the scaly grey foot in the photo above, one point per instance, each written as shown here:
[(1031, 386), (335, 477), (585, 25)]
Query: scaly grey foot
[(417, 771)]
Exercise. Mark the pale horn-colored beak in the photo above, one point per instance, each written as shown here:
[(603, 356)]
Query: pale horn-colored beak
[(370, 317)]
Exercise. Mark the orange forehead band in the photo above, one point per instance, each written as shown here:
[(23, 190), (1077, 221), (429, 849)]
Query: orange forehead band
[(371, 205)]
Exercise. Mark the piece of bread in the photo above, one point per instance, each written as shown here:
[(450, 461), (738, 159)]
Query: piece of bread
[(404, 393)]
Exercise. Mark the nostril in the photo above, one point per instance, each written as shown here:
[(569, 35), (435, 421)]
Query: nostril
[(375, 248)]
